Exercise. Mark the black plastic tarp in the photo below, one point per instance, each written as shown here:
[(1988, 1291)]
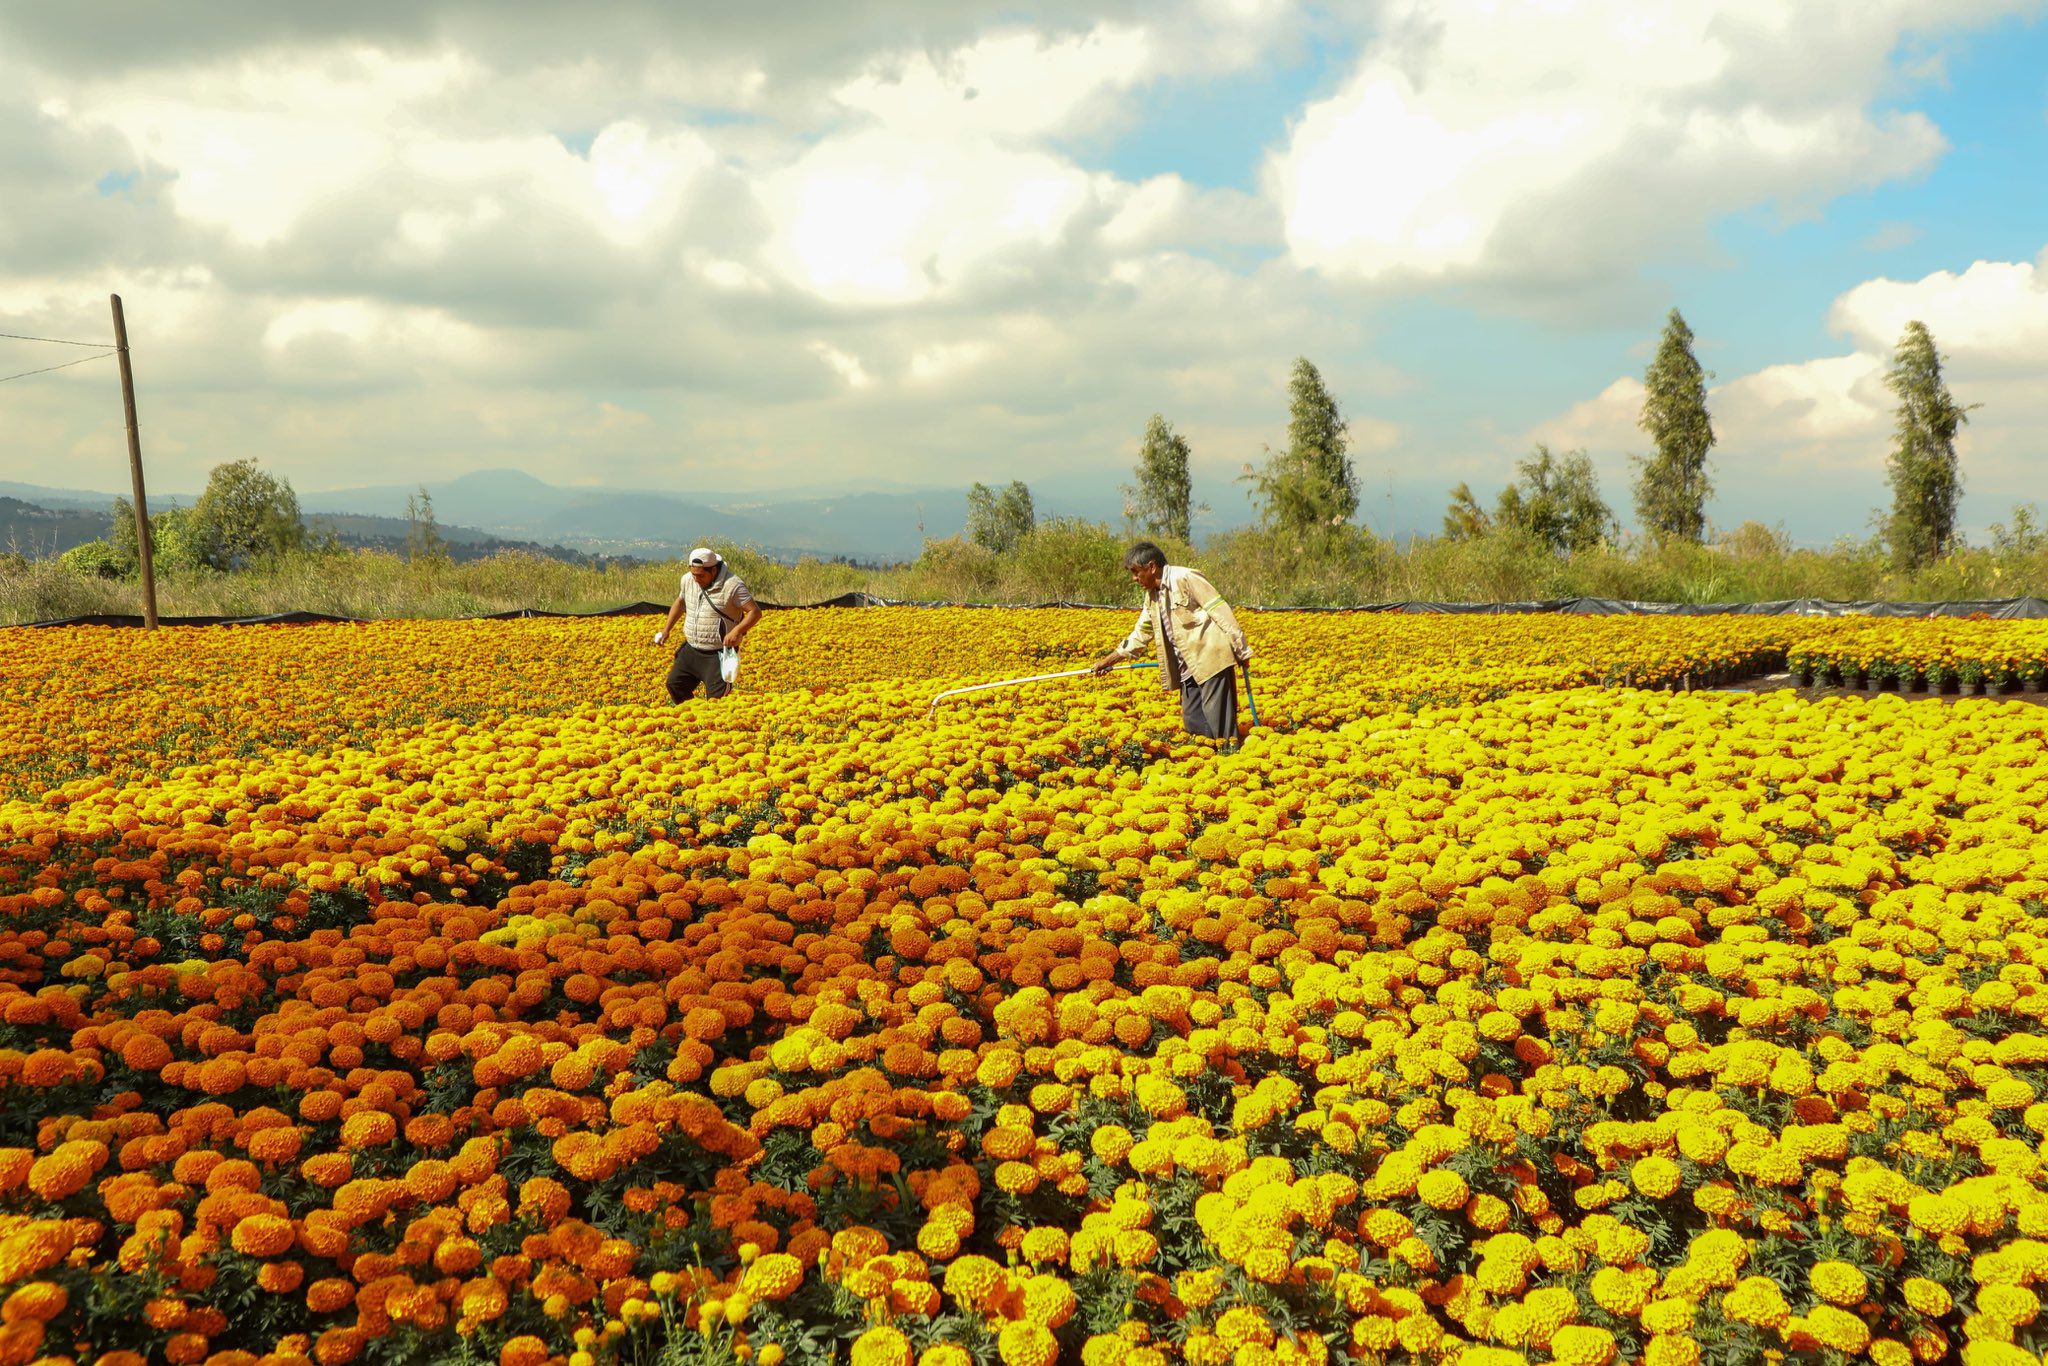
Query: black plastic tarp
[(2003, 609)]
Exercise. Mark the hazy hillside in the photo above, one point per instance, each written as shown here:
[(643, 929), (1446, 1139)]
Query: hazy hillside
[(36, 531), (39, 531), (876, 526)]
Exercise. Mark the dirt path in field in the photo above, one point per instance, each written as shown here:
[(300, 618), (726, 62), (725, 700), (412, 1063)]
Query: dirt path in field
[(1783, 682)]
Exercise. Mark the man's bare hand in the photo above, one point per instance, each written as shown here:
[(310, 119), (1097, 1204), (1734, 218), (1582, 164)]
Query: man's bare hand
[(661, 635), (1104, 665)]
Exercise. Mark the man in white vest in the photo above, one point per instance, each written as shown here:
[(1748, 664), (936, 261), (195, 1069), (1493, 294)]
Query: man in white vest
[(717, 612)]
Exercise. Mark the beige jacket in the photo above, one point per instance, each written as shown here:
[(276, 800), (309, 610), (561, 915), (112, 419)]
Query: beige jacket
[(1205, 632)]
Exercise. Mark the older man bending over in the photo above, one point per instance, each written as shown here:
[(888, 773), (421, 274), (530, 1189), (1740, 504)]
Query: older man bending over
[(1197, 638)]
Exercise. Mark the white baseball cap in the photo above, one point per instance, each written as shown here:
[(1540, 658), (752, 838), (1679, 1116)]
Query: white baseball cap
[(703, 554)]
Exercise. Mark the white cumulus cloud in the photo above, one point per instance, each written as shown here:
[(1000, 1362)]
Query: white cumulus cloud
[(1552, 145)]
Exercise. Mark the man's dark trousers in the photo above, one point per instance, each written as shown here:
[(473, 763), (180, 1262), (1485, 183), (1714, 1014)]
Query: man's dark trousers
[(694, 666), (1210, 708)]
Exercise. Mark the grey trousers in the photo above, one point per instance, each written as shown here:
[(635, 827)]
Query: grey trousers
[(1210, 708)]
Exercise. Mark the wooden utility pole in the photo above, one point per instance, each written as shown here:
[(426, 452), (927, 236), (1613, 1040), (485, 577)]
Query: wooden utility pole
[(135, 469)]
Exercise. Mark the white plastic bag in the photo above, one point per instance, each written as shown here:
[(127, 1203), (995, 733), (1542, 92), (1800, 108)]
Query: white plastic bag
[(728, 664)]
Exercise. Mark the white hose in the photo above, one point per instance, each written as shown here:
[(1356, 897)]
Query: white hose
[(1012, 682)]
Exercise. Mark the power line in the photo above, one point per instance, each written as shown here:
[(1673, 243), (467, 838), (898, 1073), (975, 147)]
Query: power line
[(54, 341), (65, 366)]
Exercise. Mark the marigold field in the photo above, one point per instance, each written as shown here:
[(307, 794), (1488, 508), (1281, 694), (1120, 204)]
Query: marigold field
[(423, 992)]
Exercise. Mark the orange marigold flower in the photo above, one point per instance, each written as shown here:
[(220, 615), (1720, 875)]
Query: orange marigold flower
[(280, 1278), (275, 1147), (145, 1053), (222, 1076), (40, 1300), (262, 1235), (543, 1198), (64, 1173), (524, 1350)]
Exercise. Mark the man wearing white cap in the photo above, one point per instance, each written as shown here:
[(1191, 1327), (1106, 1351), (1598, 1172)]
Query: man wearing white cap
[(717, 611)]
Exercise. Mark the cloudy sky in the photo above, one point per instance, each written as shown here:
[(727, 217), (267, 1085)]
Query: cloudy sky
[(808, 247)]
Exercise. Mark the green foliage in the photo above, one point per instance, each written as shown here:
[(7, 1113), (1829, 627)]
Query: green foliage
[(245, 516), (1922, 470), (1079, 561), (1557, 501), (94, 560), (954, 570), (1672, 486), (998, 518), (1311, 483), (1067, 559), (175, 540), (1161, 502)]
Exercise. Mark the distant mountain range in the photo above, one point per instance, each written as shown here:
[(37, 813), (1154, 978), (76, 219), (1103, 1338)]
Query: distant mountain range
[(499, 509), (38, 531)]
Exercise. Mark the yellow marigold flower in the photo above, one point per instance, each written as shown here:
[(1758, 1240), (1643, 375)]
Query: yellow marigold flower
[(1623, 1292), (1549, 1309), (1044, 1245), (1386, 1227), (1756, 1300), (970, 1280), (2009, 1304), (1718, 1255), (1656, 1177), (1667, 1349), (1198, 1289), (1027, 1344), (1111, 1143), (1938, 1214), (1134, 1247), (881, 1347), (773, 1276), (1244, 1324), (1579, 1345), (1419, 1333), (1838, 1283), (1668, 1315), (1617, 1243), (1488, 1213), (1838, 1329), (1441, 1188), (1048, 1300)]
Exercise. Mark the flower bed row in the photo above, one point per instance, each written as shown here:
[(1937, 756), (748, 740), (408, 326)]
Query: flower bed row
[(1577, 1026)]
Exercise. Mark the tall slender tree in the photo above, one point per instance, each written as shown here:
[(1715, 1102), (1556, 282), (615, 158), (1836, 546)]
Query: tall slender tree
[(1161, 501), (1464, 519), (1672, 486), (1922, 469), (1311, 483)]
